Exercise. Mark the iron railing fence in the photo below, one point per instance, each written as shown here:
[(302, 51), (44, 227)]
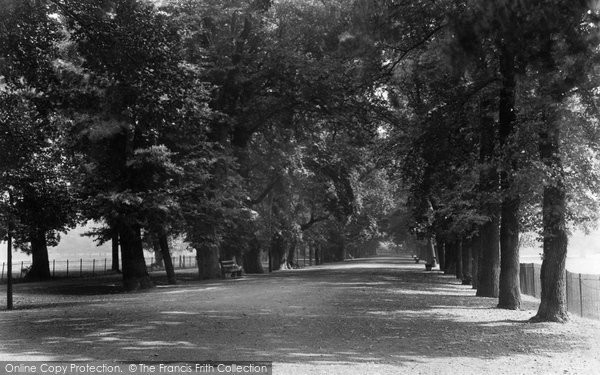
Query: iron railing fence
[(583, 290), (89, 267)]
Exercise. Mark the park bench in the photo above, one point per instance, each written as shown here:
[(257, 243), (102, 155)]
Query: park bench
[(230, 267)]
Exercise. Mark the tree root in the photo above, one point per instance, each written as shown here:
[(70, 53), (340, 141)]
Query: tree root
[(551, 318)]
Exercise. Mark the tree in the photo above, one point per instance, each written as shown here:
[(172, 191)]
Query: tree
[(133, 97), (488, 261), (486, 35), (45, 204), (528, 39), (564, 60), (525, 41), (19, 126), (39, 180), (279, 70), (509, 289)]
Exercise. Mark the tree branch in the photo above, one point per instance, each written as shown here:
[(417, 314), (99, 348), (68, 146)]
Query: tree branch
[(265, 192), (405, 52), (313, 220)]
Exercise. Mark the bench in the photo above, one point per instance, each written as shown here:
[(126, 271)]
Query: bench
[(230, 267)]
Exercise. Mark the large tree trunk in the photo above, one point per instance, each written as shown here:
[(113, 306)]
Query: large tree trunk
[(553, 306), (158, 256), (279, 253), (488, 267), (291, 253), (475, 250), (467, 252), (115, 250), (489, 259), (207, 258), (252, 259), (40, 266), (275, 249), (9, 273), (450, 257), (135, 274), (459, 259), (441, 253), (163, 241), (509, 292), (430, 253), (337, 250)]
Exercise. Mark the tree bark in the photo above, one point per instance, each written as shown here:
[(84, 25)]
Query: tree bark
[(488, 261), (158, 256), (291, 253), (553, 306), (450, 257), (276, 252), (163, 241), (40, 266), (430, 253), (252, 259), (207, 258), (339, 249), (280, 251), (135, 274), (466, 261), (459, 260), (509, 292), (115, 250), (9, 278), (441, 252), (475, 250)]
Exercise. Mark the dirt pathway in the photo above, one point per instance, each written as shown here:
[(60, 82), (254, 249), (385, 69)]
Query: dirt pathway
[(380, 315)]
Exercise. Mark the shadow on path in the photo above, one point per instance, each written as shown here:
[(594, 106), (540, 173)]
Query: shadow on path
[(381, 310)]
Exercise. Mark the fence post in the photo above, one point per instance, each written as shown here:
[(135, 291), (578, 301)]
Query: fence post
[(21, 269), (526, 277), (580, 296), (567, 288), (80, 267), (93, 266), (525, 285), (67, 268), (180, 261), (533, 278)]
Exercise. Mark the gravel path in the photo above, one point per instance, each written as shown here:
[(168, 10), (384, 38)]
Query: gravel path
[(375, 316)]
